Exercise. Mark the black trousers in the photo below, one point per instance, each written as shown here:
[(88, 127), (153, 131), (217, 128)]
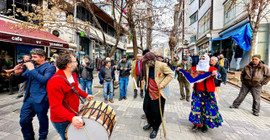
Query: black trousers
[(151, 110)]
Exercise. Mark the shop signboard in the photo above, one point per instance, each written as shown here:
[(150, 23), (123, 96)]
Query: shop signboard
[(30, 41)]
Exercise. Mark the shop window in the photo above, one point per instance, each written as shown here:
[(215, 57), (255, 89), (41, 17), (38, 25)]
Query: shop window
[(193, 18), (24, 5), (201, 3), (263, 42), (229, 12), (193, 39), (204, 23), (83, 14)]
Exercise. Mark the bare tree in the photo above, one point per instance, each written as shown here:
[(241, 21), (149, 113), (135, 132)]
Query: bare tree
[(172, 38), (257, 10)]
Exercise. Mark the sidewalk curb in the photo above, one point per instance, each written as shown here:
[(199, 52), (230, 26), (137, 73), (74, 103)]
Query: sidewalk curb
[(232, 83)]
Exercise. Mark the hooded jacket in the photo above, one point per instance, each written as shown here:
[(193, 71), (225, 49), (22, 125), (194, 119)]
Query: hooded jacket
[(87, 72)]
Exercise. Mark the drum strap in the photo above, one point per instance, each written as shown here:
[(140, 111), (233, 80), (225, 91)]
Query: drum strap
[(72, 87)]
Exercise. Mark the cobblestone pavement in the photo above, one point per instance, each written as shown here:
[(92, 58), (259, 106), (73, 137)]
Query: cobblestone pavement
[(238, 123)]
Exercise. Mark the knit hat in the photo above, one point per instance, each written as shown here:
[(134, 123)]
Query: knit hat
[(257, 55), (149, 56)]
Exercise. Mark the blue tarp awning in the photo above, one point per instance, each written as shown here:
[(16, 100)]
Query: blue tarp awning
[(241, 37)]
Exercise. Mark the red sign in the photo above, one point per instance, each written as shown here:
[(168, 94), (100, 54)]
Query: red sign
[(31, 41)]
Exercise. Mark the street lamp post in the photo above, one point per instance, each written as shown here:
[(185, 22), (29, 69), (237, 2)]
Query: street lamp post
[(75, 22)]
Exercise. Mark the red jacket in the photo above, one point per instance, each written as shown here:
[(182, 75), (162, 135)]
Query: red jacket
[(210, 82), (59, 91)]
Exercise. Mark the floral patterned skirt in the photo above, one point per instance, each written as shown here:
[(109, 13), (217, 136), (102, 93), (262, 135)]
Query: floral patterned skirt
[(204, 110)]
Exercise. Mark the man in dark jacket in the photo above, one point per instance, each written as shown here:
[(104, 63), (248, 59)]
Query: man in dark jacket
[(86, 74), (253, 77), (195, 59), (124, 67), (35, 101), (221, 70), (106, 77)]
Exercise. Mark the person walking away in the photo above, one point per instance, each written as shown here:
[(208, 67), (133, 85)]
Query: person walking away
[(35, 101), (238, 57), (86, 75), (136, 71), (124, 67), (63, 101), (106, 76), (218, 81), (183, 83), (253, 77)]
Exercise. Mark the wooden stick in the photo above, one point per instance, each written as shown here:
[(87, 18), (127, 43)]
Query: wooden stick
[(160, 110), (96, 93)]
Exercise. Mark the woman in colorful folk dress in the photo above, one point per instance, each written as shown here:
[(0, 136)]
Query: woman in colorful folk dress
[(204, 110)]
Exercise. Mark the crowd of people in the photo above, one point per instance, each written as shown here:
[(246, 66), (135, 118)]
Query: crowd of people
[(56, 86)]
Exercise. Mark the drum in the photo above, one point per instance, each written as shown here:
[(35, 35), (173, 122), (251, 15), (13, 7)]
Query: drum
[(99, 119)]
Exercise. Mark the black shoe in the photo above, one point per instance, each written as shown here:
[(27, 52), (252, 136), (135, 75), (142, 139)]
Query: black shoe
[(11, 93), (147, 127), (195, 128), (255, 114), (182, 98), (141, 94), (232, 106), (135, 96), (204, 129), (153, 134), (125, 97), (120, 99), (19, 96)]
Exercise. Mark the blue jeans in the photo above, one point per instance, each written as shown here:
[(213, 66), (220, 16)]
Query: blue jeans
[(29, 109), (175, 72), (123, 82), (86, 84), (61, 128), (105, 89), (226, 70)]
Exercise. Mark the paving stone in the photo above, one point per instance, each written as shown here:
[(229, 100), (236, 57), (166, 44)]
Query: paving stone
[(238, 123)]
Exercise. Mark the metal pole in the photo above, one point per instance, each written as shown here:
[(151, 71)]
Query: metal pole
[(13, 9), (74, 22)]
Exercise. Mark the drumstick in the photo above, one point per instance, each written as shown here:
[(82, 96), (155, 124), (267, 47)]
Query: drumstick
[(96, 93)]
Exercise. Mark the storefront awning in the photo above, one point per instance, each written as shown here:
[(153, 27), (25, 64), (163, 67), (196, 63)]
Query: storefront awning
[(241, 37), (10, 32)]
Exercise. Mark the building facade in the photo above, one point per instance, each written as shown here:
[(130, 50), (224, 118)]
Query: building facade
[(214, 20)]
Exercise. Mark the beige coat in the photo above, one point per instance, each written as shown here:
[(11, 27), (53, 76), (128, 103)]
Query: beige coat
[(163, 75), (133, 74)]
